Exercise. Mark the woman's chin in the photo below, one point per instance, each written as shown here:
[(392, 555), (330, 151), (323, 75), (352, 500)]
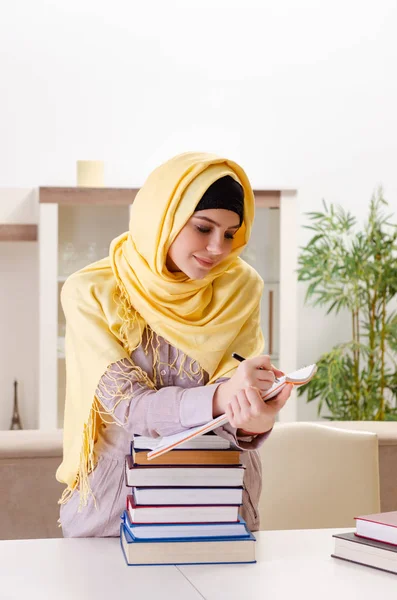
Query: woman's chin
[(196, 274)]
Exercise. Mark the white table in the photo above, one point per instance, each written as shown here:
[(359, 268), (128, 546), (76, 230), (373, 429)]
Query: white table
[(291, 564), (83, 569)]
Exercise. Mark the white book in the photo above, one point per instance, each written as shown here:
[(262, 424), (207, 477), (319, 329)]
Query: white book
[(169, 531), (153, 532), (183, 476), (187, 495), (204, 442), (182, 514), (299, 377)]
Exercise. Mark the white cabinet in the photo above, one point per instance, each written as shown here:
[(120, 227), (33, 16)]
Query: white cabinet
[(272, 251), (76, 226)]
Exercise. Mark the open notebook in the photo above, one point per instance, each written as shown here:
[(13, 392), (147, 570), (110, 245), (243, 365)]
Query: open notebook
[(170, 442)]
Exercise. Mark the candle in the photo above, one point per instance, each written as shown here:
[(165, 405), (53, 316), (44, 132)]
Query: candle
[(90, 173)]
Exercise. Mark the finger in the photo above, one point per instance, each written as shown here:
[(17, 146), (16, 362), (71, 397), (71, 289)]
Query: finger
[(262, 380), (242, 399), (235, 406), (263, 386), (281, 398), (245, 412), (255, 400), (265, 375), (260, 362), (277, 372), (230, 415)]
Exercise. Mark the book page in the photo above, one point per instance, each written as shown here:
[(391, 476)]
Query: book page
[(172, 441)]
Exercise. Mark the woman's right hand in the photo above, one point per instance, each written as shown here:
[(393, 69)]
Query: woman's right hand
[(255, 372)]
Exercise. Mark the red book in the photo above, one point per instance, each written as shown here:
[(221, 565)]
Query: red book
[(381, 527)]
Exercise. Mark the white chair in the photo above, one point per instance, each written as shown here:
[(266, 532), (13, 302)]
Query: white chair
[(318, 477)]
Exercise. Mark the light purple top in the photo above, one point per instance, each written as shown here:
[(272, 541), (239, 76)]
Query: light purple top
[(180, 402)]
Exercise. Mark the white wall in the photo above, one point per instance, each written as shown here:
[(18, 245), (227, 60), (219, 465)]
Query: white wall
[(303, 94), (19, 331), (18, 310)]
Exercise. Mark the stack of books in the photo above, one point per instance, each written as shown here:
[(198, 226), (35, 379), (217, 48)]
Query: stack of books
[(374, 543), (183, 505)]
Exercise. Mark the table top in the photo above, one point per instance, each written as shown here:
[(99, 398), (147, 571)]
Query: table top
[(290, 564), (293, 564), (83, 569)]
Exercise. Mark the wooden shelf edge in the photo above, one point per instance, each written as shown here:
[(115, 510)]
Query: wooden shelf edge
[(125, 196), (85, 195), (18, 232)]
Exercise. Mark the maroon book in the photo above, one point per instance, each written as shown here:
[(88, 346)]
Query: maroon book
[(381, 527)]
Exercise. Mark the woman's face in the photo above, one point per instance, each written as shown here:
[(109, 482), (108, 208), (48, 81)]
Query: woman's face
[(205, 240)]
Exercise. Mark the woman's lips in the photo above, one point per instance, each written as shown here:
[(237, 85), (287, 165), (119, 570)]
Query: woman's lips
[(207, 264)]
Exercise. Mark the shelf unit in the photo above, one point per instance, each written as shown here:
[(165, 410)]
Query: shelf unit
[(87, 216)]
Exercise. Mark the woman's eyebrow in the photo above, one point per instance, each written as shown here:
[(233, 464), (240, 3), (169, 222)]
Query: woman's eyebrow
[(215, 223)]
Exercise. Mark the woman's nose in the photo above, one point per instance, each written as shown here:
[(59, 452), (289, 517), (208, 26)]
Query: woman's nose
[(215, 246)]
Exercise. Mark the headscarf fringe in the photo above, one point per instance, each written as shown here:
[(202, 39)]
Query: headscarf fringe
[(87, 462), (118, 383)]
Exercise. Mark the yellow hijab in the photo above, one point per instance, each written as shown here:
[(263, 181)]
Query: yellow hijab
[(109, 304)]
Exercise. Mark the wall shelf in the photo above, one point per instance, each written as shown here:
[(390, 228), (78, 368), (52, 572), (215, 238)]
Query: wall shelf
[(84, 195), (18, 232), (125, 196)]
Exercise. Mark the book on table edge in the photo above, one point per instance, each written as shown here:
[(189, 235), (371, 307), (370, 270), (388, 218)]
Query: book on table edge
[(190, 513), (192, 552), (369, 553), (381, 527), (158, 532)]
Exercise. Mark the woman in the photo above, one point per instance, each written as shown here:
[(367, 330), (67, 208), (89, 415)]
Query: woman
[(150, 335)]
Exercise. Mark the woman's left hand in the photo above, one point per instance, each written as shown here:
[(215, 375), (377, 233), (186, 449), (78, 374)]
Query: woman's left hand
[(249, 412)]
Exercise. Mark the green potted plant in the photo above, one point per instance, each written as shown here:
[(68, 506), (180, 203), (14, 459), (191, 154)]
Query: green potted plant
[(355, 270)]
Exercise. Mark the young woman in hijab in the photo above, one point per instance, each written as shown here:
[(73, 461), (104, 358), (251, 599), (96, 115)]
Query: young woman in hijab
[(150, 332)]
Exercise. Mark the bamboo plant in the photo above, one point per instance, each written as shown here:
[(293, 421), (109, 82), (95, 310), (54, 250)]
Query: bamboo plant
[(355, 271)]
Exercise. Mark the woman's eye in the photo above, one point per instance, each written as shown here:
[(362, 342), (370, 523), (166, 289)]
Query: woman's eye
[(229, 236), (203, 229)]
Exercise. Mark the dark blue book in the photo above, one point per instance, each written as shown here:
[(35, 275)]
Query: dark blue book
[(187, 552), (184, 531)]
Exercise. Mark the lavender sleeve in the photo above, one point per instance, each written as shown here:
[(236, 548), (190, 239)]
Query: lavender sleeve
[(153, 413), (246, 442), (162, 412)]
